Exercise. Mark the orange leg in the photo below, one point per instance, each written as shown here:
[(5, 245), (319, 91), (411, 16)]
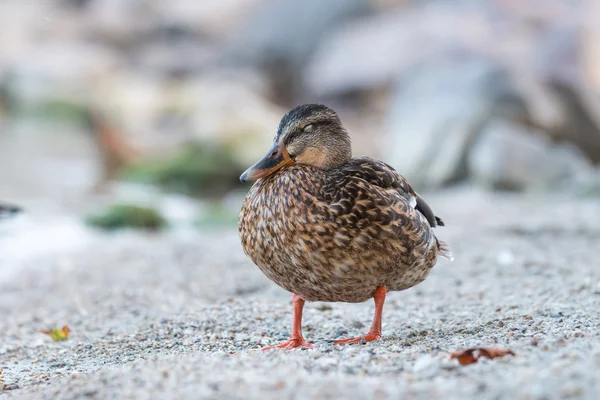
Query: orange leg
[(375, 331), (296, 339)]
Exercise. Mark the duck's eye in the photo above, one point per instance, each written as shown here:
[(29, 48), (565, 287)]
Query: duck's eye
[(308, 128)]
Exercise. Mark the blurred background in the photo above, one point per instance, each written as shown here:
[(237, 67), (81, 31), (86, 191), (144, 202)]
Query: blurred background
[(144, 112), (121, 118)]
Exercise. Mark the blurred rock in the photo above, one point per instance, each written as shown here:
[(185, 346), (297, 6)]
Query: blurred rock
[(385, 5), (591, 44), (558, 56), (589, 187), (59, 70), (46, 159), (507, 157), (76, 4), (578, 126), (134, 102), (8, 210), (186, 36), (439, 74), (227, 108), (545, 52), (360, 56), (561, 66), (374, 51), (210, 18), (22, 29), (438, 111), (195, 169), (118, 23), (282, 34), (179, 57), (231, 111)]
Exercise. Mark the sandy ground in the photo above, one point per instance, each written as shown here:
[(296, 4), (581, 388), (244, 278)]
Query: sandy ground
[(181, 315)]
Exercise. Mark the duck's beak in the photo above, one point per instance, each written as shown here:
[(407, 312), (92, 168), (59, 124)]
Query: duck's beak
[(277, 157)]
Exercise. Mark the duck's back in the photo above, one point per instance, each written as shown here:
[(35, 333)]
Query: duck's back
[(337, 235)]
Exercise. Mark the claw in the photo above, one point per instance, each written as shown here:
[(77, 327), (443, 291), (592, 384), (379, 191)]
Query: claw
[(296, 340), (292, 344), (375, 331), (369, 337)]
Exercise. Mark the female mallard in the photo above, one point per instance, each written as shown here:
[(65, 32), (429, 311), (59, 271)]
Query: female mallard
[(329, 227)]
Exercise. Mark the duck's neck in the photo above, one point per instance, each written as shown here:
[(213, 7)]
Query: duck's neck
[(337, 153)]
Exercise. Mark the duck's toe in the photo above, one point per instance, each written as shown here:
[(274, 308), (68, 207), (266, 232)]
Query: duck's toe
[(369, 337), (292, 344)]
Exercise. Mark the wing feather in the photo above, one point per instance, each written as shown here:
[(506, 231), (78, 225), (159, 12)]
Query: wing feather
[(384, 176)]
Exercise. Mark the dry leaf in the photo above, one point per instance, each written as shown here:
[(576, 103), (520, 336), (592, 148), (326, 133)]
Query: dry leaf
[(471, 356), (58, 334), (464, 357)]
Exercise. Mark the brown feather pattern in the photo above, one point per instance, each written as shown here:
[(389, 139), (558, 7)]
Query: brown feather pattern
[(338, 234)]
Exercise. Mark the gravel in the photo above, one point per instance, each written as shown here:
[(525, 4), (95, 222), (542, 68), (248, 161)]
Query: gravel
[(183, 314)]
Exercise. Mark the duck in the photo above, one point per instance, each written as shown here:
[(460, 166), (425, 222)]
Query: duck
[(330, 227)]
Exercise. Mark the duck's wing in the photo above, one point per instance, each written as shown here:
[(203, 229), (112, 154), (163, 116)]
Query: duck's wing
[(424, 209), (382, 175)]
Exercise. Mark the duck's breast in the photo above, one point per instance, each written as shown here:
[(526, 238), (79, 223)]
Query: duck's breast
[(332, 250)]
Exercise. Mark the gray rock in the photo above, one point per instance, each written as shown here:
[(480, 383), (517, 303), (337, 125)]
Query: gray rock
[(438, 111), (119, 23), (282, 34), (372, 52), (579, 125), (506, 156), (8, 210), (209, 18), (64, 70), (561, 65), (181, 58), (230, 110)]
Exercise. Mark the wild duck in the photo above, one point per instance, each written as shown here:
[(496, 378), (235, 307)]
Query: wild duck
[(329, 227)]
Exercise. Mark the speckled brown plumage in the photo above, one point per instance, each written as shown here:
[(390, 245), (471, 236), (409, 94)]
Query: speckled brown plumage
[(337, 235), (329, 227)]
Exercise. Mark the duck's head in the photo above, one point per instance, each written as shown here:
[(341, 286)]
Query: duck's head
[(311, 134)]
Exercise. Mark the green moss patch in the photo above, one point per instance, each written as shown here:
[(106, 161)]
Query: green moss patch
[(194, 169), (122, 216), (217, 216)]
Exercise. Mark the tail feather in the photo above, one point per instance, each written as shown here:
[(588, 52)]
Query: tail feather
[(444, 250)]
